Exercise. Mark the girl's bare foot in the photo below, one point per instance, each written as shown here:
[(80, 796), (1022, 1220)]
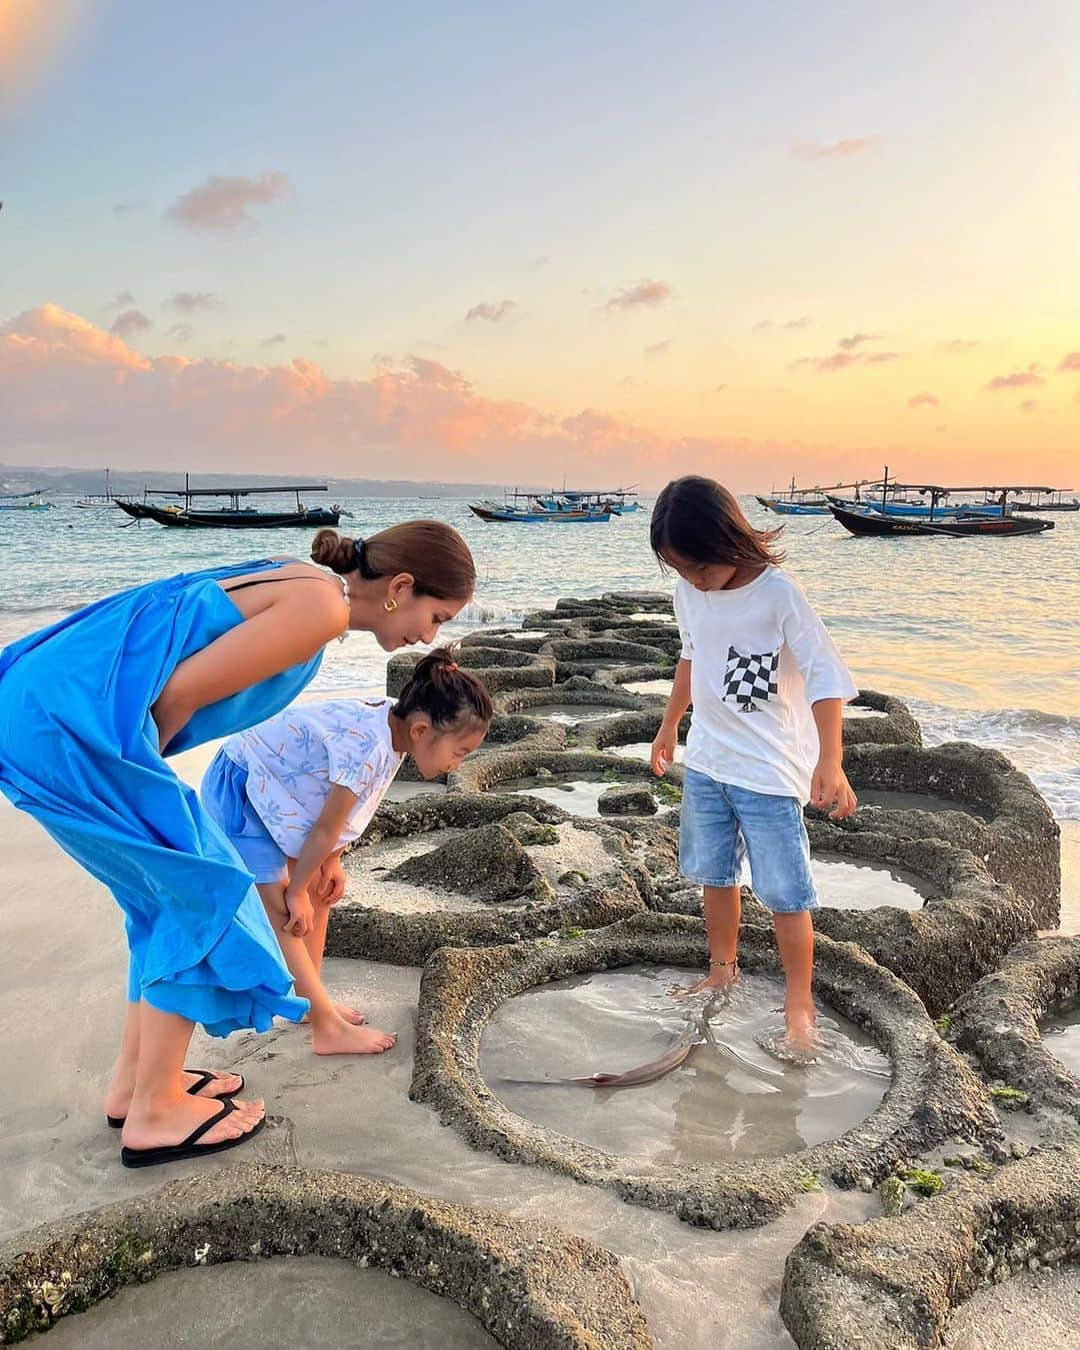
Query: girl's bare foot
[(118, 1094), (720, 977), (342, 1038), (353, 1016), (170, 1125)]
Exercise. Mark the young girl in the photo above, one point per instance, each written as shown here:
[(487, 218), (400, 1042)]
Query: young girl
[(292, 792), (767, 687)]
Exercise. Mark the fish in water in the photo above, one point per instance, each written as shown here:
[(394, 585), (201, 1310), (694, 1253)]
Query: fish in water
[(695, 1034)]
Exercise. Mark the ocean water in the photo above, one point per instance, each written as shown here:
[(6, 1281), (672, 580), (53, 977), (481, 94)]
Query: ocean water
[(980, 637)]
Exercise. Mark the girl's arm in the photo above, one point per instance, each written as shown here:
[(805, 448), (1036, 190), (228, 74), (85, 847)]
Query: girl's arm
[(830, 786), (663, 747), (321, 842), (289, 630)]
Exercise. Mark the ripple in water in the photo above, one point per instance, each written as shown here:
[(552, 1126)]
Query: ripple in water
[(731, 1098)]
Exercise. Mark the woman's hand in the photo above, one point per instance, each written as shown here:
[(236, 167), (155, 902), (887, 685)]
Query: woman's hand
[(830, 788), (301, 918), (662, 755), (331, 886)]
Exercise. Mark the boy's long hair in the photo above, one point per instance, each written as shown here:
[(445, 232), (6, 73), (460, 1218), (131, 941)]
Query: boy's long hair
[(443, 692), (699, 519)]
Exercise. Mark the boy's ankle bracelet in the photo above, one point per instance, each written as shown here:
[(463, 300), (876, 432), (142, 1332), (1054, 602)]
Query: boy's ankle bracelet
[(713, 965)]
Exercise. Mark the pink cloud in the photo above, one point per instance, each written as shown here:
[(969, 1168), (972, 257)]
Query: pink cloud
[(657, 349), (857, 340), (642, 294), (68, 388), (491, 310), (923, 401), (130, 322), (1018, 379), (1069, 362), (221, 203), (188, 302), (1029, 405), (957, 345), (842, 149), (828, 365)]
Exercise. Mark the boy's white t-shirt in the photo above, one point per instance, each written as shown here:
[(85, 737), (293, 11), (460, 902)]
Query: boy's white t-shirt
[(294, 758), (760, 658)]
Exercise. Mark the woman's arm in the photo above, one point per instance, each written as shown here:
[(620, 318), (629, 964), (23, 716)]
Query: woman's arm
[(289, 630)]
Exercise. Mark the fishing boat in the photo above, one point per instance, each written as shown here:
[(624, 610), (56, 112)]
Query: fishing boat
[(796, 501), (234, 516), (1047, 499), (25, 501), (617, 501), (95, 501), (958, 523), (533, 508)]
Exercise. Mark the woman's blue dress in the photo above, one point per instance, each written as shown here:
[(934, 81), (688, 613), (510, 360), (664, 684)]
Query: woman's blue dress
[(79, 752)]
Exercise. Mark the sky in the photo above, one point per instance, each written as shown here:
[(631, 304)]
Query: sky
[(610, 243)]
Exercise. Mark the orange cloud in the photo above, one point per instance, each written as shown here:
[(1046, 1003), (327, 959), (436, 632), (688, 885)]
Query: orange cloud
[(1069, 362), (1018, 379), (221, 203), (642, 294), (923, 401), (842, 149)]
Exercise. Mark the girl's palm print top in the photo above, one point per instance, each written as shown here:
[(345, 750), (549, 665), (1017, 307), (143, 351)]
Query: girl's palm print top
[(294, 759), (760, 658)]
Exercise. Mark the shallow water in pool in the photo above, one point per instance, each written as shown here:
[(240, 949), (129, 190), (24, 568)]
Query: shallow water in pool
[(650, 687), (571, 713), (918, 801), (579, 796), (1061, 1036), (851, 883), (729, 1099)]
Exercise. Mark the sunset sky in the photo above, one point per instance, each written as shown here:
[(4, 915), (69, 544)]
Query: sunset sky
[(504, 242)]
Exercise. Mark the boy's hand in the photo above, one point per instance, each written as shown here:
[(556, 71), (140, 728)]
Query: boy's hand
[(662, 755), (331, 885), (830, 788), (301, 918)]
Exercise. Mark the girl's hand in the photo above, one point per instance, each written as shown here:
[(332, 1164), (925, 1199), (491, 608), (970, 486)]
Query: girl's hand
[(662, 755), (331, 885), (301, 918), (830, 787)]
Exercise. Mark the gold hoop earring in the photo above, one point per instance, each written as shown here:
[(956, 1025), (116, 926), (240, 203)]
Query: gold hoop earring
[(389, 606)]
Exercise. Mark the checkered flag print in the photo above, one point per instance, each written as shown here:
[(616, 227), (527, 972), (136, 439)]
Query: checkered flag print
[(747, 678)]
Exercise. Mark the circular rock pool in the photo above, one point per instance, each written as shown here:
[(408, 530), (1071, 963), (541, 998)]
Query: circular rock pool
[(844, 882), (918, 801), (579, 796), (730, 1098)]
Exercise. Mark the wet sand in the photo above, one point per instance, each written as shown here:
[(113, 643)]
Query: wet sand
[(1041, 1309)]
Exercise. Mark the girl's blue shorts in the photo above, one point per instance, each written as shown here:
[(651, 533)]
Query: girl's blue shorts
[(224, 795)]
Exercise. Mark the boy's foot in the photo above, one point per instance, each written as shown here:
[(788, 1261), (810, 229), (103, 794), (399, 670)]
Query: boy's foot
[(342, 1038), (722, 977), (173, 1125), (353, 1016), (118, 1095)]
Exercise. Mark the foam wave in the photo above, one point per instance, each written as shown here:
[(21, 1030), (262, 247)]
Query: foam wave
[(491, 612)]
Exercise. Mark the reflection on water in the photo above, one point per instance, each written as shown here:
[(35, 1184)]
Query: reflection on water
[(851, 883), (641, 750), (579, 796), (918, 801), (1061, 1035), (730, 1098), (569, 714), (402, 790)]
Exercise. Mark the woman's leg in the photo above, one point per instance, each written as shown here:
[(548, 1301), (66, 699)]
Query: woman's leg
[(331, 1034), (161, 1111)]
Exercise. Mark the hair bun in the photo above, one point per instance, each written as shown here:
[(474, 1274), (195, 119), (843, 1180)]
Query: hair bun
[(333, 550)]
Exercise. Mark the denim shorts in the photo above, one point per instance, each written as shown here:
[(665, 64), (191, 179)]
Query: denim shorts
[(224, 796), (722, 824)]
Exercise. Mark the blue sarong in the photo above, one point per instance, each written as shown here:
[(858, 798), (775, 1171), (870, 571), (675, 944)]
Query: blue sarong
[(79, 752)]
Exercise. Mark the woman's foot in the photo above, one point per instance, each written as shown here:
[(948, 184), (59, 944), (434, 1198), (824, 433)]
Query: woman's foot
[(353, 1016), (169, 1125), (342, 1038), (119, 1092)]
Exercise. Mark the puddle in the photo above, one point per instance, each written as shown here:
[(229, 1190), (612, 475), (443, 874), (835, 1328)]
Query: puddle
[(570, 714), (918, 801), (650, 687), (729, 1099), (1061, 1036), (579, 796), (641, 750), (400, 791), (851, 883), (852, 713), (288, 1301), (1039, 1311)]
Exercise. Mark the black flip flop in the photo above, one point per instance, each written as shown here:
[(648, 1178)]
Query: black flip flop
[(190, 1147), (206, 1076)]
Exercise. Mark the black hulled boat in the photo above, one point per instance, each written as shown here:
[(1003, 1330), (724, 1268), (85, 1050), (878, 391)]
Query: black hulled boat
[(234, 516)]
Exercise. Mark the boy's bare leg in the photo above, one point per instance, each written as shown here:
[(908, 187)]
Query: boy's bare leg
[(723, 909), (795, 942)]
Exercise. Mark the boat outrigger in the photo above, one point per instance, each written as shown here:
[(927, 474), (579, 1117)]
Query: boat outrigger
[(956, 521), (234, 516)]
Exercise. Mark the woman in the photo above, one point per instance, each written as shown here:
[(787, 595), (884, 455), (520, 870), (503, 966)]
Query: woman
[(90, 707)]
